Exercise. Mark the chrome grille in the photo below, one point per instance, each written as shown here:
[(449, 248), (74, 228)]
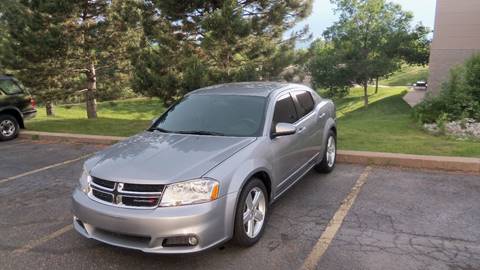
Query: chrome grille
[(125, 194)]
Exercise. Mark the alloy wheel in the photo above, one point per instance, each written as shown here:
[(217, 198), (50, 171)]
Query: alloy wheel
[(254, 212), (331, 151)]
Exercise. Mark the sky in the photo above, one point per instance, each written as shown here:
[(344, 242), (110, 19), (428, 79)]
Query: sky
[(322, 15)]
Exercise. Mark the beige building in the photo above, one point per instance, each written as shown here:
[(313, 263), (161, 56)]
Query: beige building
[(456, 37)]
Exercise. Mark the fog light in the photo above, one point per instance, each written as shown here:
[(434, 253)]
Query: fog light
[(180, 241), (192, 240)]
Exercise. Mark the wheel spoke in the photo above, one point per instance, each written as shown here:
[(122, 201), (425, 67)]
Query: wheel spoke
[(258, 216), (246, 216), (250, 228), (256, 199), (249, 202)]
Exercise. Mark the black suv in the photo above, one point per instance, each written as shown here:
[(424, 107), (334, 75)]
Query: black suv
[(16, 104)]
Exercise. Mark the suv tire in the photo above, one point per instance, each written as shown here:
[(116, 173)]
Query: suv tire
[(9, 127)]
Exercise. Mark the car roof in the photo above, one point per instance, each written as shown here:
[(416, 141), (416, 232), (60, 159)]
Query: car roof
[(262, 89)]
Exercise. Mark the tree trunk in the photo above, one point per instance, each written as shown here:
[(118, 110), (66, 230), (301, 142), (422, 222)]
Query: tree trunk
[(49, 108), (365, 93), (376, 85), (90, 100)]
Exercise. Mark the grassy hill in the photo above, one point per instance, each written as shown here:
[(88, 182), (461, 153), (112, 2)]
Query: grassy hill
[(406, 76), (387, 126)]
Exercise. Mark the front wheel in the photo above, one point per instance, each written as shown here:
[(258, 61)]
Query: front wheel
[(330, 157), (9, 127), (250, 217)]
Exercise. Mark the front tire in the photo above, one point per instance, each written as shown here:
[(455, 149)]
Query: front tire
[(9, 127), (251, 213), (330, 157)]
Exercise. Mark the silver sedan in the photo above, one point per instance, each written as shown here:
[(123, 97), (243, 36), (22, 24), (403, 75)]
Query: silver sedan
[(207, 170)]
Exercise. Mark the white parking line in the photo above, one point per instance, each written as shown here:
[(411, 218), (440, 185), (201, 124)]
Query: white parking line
[(334, 224), (4, 180), (35, 243)]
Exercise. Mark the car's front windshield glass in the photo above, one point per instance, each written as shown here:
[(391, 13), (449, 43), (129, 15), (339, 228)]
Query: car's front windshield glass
[(222, 115)]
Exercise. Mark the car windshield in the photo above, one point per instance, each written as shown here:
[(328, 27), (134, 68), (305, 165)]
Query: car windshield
[(221, 115)]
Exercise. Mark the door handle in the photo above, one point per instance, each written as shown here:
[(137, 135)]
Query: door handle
[(321, 115)]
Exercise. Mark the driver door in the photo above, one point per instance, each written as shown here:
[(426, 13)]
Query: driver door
[(287, 151)]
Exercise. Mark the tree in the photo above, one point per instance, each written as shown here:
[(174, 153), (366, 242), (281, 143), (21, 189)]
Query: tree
[(228, 40), (370, 34), (327, 71), (101, 34), (34, 46), (62, 47)]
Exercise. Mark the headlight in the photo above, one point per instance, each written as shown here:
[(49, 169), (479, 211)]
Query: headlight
[(85, 181), (190, 192)]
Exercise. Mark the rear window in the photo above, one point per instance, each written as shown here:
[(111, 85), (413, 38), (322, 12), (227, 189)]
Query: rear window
[(284, 111), (9, 87), (305, 102)]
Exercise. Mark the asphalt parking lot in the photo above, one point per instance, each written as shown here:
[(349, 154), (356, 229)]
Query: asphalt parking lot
[(392, 219)]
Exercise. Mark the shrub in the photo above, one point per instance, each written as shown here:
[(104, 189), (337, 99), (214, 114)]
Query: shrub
[(459, 97)]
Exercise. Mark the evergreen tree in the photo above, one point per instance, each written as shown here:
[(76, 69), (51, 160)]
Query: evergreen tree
[(63, 47), (34, 47), (190, 44), (101, 36)]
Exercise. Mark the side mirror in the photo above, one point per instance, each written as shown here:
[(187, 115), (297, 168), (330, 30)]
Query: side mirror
[(283, 129)]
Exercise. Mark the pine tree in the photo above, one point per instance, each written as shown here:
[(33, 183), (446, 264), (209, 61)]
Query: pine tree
[(34, 47), (190, 44), (59, 48), (101, 34)]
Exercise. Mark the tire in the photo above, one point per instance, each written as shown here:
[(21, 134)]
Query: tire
[(241, 235), (327, 165), (9, 127)]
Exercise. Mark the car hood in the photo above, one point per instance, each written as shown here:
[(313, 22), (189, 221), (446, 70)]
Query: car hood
[(154, 157)]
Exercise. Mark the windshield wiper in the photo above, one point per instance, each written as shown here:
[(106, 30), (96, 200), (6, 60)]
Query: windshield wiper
[(201, 132), (159, 129)]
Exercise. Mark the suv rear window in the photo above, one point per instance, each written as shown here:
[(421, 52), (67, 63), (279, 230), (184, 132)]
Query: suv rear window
[(9, 87), (284, 111), (305, 102)]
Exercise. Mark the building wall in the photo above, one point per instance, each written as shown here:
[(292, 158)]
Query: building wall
[(456, 37)]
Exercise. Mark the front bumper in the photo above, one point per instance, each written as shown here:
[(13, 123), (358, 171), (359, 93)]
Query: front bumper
[(146, 230)]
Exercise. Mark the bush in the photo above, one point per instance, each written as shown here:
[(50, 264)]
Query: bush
[(459, 97)]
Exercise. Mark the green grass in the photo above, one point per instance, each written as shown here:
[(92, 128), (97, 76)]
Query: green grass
[(406, 76), (118, 118), (387, 126)]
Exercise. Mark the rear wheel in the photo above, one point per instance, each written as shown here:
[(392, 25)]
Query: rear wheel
[(250, 217), (9, 127), (330, 157)]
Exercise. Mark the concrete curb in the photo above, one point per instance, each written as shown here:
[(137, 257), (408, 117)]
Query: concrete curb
[(96, 139), (456, 164)]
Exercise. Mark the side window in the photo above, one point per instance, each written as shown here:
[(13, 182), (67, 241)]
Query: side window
[(284, 111), (9, 87), (305, 102)]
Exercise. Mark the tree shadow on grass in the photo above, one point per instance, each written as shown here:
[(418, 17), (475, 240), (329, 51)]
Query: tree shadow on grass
[(349, 105)]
